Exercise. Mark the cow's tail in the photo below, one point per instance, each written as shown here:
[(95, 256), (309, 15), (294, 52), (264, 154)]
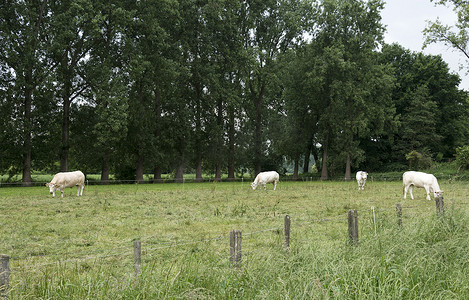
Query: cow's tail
[(403, 189)]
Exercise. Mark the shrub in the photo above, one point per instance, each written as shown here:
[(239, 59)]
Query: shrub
[(418, 160), (462, 157)]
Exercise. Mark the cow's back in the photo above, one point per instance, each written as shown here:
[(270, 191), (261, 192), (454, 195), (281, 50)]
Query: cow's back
[(419, 179), (69, 178), (268, 176)]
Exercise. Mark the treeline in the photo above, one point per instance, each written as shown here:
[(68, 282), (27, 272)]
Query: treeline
[(217, 86)]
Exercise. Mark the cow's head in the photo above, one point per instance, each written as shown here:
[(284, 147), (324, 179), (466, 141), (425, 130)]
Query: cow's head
[(438, 194), (253, 185), (52, 187)]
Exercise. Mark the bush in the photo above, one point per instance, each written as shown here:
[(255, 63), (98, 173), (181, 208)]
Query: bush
[(462, 157), (418, 161)]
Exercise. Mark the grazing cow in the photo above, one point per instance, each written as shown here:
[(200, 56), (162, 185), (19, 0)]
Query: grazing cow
[(421, 180), (361, 179), (67, 179), (266, 177)]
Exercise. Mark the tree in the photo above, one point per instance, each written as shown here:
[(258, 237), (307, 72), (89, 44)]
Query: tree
[(300, 107), (458, 37), (425, 79), (148, 51), (419, 125), (270, 28), (352, 88), (76, 31), (108, 96), (25, 29), (226, 56)]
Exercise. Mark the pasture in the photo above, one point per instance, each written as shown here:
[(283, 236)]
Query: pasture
[(82, 248)]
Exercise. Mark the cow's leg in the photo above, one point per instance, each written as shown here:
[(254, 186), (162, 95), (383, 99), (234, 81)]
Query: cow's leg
[(410, 191), (265, 186), (82, 188), (427, 189), (406, 188), (275, 185), (53, 194)]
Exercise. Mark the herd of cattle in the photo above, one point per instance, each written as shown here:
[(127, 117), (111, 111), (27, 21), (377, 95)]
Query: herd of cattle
[(410, 180)]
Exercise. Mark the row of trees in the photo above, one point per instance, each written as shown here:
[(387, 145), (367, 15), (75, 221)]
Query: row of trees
[(215, 86)]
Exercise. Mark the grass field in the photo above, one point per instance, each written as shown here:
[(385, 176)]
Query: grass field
[(82, 248)]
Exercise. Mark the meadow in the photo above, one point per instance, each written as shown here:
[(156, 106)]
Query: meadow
[(82, 248)]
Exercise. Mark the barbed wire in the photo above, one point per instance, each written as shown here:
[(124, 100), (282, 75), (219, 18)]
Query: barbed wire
[(93, 181), (171, 244)]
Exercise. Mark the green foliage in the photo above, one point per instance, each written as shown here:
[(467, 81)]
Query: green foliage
[(453, 36), (430, 110), (164, 85), (418, 161), (462, 157)]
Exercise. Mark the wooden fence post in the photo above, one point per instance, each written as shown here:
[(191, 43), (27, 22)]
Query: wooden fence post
[(399, 214), (287, 231), (235, 248), (440, 205), (353, 226), (4, 275), (137, 257)]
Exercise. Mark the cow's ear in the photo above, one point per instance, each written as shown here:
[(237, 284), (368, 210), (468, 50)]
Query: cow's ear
[(47, 184)]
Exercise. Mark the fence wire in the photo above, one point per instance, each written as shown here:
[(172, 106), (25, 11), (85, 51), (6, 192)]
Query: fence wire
[(126, 252)]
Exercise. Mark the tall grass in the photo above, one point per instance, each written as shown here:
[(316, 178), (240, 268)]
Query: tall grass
[(80, 248)]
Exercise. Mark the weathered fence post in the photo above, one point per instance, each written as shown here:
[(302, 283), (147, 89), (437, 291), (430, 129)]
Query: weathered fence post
[(353, 226), (440, 205), (4, 275), (235, 248), (137, 257), (287, 231), (399, 214)]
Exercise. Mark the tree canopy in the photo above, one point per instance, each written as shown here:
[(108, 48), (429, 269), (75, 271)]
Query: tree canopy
[(220, 87)]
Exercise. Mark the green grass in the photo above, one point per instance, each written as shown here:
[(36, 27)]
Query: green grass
[(82, 248)]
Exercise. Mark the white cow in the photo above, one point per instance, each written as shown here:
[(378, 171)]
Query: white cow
[(67, 179), (421, 180), (361, 179), (266, 177)]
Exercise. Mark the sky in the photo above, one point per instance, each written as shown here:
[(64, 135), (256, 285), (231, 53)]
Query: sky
[(405, 21)]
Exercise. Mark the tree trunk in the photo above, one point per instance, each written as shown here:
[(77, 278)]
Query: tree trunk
[(65, 127), (231, 145), (324, 175), (105, 168), (27, 143), (198, 169), (348, 172), (219, 139), (139, 172), (157, 174), (258, 133), (198, 135), (158, 111), (307, 155), (180, 170), (349, 146)]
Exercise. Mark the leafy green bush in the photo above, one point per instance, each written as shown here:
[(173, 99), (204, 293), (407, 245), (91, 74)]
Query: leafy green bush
[(418, 161), (462, 157)]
